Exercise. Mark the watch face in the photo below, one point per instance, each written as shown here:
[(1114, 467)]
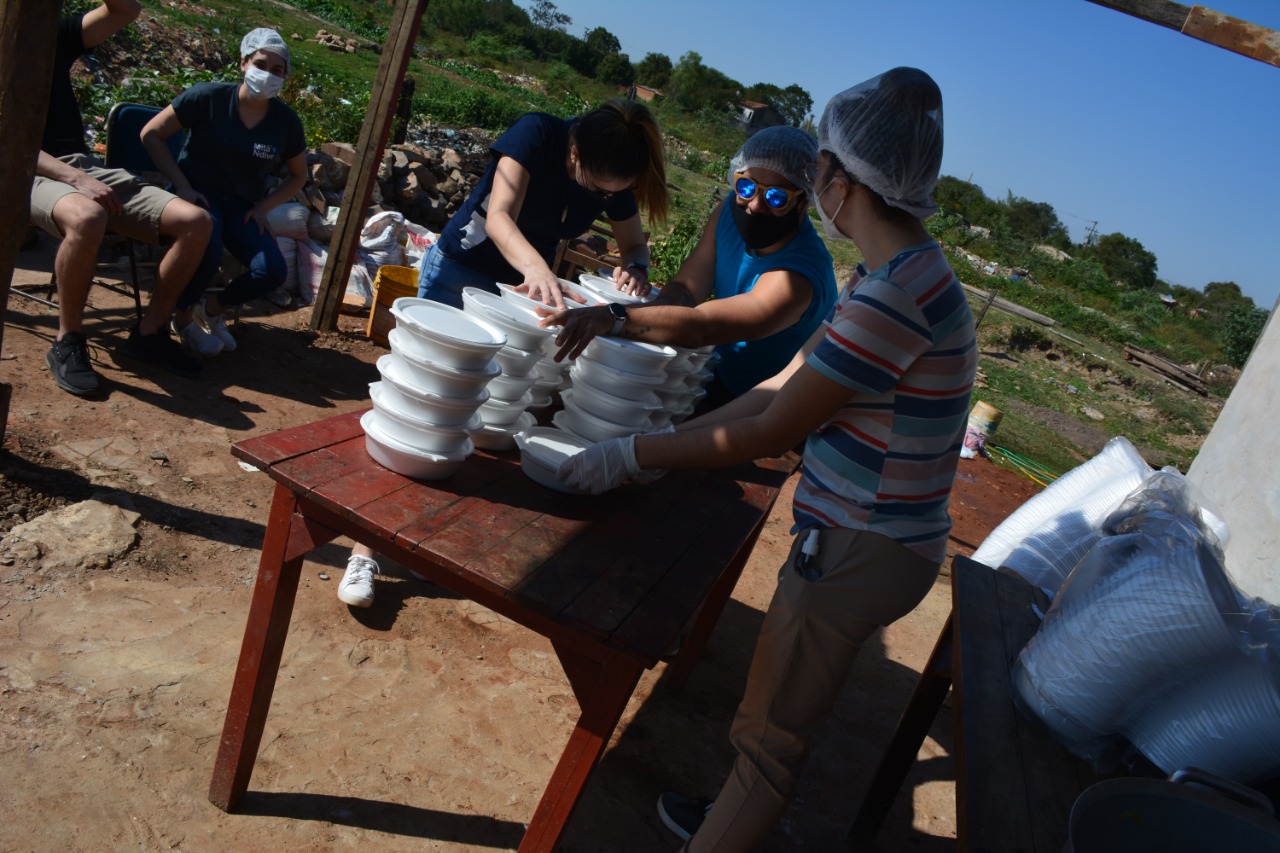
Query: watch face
[(618, 311)]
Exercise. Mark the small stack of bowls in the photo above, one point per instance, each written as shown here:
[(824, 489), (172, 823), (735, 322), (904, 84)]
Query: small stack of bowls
[(687, 378), (614, 384), (513, 393), (433, 382)]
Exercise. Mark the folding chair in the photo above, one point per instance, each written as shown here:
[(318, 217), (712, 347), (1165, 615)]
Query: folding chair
[(124, 151)]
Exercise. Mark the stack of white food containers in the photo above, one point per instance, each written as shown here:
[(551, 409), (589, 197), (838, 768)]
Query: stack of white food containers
[(433, 383), (685, 386), (614, 388), (515, 392)]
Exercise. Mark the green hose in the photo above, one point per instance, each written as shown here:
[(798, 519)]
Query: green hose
[(1028, 467)]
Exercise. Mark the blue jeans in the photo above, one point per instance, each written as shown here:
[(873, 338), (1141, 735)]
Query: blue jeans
[(256, 249), (443, 280)]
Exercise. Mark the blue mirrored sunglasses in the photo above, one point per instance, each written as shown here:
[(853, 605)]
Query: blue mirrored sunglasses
[(775, 197)]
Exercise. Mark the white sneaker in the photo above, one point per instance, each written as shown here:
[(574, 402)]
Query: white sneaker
[(216, 326), (356, 586), (198, 340)]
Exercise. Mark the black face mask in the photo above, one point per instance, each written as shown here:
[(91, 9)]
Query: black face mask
[(761, 230)]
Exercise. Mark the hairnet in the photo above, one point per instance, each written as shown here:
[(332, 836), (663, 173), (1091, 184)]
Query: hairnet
[(887, 133), (785, 150), (265, 39)]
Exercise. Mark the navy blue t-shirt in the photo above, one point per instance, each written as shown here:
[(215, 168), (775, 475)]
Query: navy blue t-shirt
[(555, 206), (222, 154), (63, 124)]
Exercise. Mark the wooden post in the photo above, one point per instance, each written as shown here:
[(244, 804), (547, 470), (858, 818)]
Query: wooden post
[(25, 77), (364, 171), (1233, 34)]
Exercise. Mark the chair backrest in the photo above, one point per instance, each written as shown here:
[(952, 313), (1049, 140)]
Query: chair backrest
[(124, 144)]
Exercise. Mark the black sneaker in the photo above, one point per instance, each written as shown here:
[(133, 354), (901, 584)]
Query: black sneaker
[(68, 361), (683, 815), (162, 351)]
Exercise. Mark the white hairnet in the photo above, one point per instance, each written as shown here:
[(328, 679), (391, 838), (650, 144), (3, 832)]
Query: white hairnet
[(265, 39), (887, 134), (782, 149)]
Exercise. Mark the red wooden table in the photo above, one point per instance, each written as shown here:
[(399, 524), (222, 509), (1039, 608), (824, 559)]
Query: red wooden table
[(612, 581)]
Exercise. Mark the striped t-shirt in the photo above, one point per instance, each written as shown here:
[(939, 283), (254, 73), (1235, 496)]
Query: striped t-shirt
[(902, 338)]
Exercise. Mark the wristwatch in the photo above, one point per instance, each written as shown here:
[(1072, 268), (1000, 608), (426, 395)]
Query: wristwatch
[(619, 312), (640, 265)]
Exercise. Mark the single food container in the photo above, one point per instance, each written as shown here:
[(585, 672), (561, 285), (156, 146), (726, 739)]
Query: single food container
[(632, 386), (631, 356), (508, 389), (416, 433), (502, 437), (442, 333), (503, 412), (433, 408), (432, 376), (520, 326), (405, 460), (587, 425), (610, 407), (517, 362)]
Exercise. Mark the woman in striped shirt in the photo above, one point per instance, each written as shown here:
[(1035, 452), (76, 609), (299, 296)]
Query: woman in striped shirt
[(880, 396)]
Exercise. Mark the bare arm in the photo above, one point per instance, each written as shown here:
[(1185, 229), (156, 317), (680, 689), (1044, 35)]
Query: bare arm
[(297, 165), (769, 420), (629, 234), (111, 17), (685, 316), (510, 183), (163, 125)]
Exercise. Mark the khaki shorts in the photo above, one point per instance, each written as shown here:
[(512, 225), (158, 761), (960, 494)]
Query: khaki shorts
[(142, 203)]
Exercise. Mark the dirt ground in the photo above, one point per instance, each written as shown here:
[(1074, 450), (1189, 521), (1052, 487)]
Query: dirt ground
[(421, 723)]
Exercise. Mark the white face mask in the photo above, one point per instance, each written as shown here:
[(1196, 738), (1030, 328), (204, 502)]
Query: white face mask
[(828, 222), (262, 84)]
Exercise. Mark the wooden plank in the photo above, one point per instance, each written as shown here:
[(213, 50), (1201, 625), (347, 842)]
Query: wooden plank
[(397, 49), (1234, 34), (26, 75), (266, 450), (990, 812)]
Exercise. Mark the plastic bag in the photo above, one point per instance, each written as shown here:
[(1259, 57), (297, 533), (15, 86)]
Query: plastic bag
[(1047, 536), (312, 256), (289, 220), (1149, 644)]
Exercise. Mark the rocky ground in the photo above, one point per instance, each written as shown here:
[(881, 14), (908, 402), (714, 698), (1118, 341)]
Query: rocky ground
[(422, 723)]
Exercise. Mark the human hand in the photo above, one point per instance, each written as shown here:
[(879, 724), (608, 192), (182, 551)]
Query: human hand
[(632, 280), (258, 215), (601, 466), (544, 287), (99, 192), (188, 194), (578, 327)]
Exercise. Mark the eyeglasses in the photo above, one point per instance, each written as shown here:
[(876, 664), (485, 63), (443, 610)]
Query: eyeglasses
[(775, 197)]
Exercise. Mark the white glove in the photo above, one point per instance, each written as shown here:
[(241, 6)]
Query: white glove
[(602, 466)]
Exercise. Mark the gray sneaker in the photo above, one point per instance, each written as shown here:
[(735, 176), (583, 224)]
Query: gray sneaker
[(68, 361), (356, 586), (683, 815)]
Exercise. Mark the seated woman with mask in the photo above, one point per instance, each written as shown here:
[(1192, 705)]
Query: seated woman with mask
[(760, 258)]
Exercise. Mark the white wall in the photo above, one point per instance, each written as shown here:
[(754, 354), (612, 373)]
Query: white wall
[(1239, 469)]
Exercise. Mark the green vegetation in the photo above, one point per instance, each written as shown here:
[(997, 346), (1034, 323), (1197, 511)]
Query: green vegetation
[(483, 63)]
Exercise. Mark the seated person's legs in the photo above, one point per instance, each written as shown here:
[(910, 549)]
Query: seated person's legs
[(81, 223), (254, 247)]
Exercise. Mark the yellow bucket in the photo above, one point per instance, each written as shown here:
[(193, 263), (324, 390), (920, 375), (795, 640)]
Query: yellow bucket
[(389, 284)]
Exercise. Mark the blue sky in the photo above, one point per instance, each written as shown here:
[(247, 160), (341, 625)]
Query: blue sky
[(1153, 134)]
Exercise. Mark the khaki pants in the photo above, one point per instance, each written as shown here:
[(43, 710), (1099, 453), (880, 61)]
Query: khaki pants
[(142, 203), (812, 633)]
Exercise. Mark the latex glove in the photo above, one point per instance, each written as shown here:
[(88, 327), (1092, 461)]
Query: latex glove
[(602, 466)]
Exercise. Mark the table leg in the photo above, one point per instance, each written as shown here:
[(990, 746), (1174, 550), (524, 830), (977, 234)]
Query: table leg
[(931, 690), (709, 613), (602, 690), (288, 538)]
